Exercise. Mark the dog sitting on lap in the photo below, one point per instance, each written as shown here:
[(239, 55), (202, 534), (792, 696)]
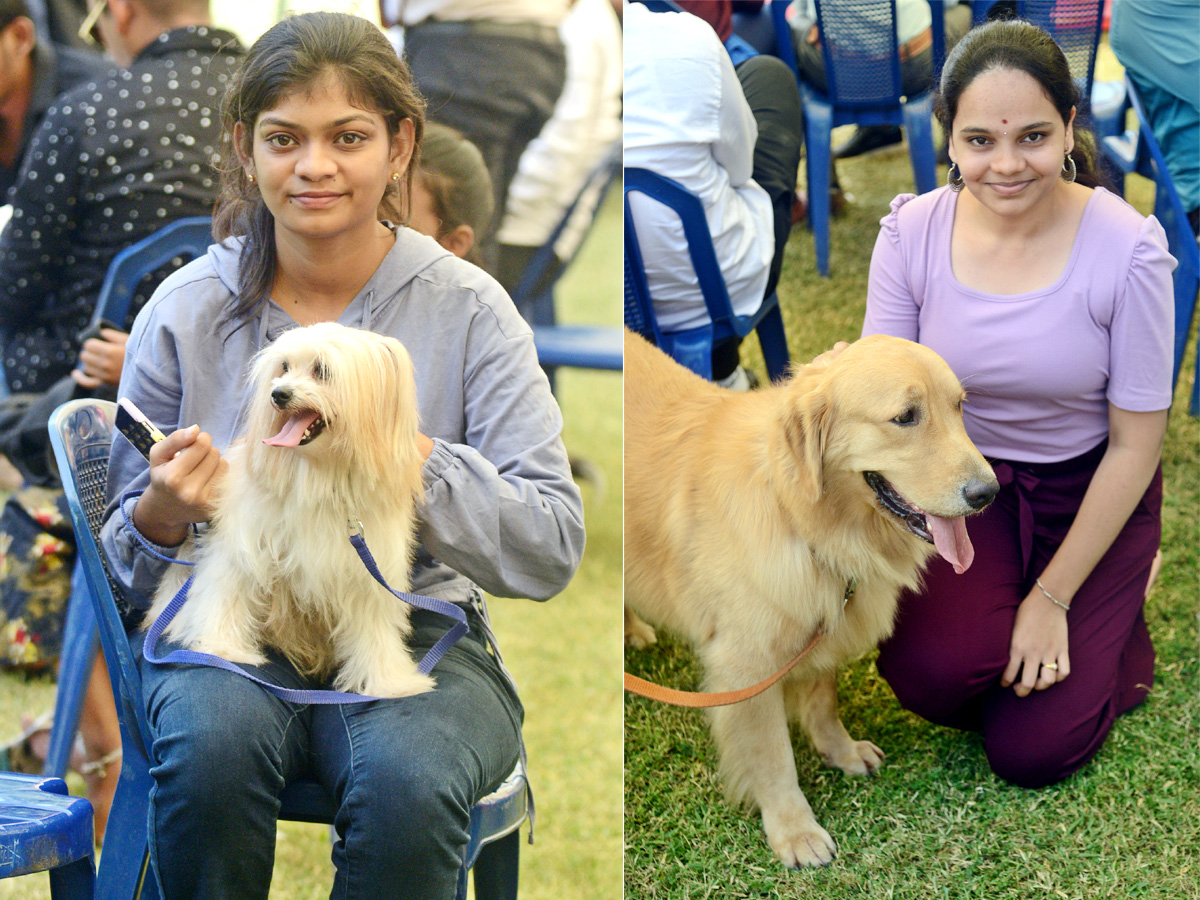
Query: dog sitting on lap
[(330, 442)]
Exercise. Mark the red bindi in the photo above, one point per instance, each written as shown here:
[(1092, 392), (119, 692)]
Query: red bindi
[(1005, 121)]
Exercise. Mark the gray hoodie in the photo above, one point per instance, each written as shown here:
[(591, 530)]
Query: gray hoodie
[(501, 510)]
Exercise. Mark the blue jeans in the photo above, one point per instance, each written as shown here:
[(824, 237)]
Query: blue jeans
[(405, 773)]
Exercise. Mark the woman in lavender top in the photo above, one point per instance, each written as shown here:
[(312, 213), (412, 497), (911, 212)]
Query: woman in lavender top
[(1051, 299)]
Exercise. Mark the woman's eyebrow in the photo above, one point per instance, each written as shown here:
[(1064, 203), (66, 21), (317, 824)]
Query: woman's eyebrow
[(281, 122), (979, 129)]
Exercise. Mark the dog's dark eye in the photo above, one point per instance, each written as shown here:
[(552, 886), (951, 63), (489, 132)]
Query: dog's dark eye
[(908, 417), (320, 372), (285, 369)]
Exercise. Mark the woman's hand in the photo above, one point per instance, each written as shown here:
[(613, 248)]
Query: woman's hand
[(101, 359), (1039, 639), (829, 355), (184, 470)]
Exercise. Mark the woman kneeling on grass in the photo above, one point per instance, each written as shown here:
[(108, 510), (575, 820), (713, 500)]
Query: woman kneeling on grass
[(323, 127), (1051, 299)]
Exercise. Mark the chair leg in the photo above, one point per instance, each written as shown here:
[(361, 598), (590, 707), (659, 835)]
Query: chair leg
[(80, 642), (76, 881), (124, 860), (497, 868), (818, 130), (773, 340)]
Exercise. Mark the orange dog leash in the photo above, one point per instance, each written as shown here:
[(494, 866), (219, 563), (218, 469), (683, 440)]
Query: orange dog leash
[(702, 700)]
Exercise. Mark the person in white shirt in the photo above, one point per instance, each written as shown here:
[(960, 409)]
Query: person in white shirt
[(688, 117)]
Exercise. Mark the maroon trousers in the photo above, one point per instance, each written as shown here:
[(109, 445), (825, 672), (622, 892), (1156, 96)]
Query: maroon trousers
[(951, 642)]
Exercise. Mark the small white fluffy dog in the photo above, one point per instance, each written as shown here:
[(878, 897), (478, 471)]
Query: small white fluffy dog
[(330, 439)]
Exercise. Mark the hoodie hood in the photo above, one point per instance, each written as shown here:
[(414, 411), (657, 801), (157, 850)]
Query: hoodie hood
[(412, 254)]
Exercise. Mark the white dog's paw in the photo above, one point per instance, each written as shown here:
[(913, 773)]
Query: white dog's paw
[(234, 653), (798, 840), (394, 684), (855, 758), (638, 634)]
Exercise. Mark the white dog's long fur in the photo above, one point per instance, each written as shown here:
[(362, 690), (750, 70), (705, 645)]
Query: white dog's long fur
[(276, 567)]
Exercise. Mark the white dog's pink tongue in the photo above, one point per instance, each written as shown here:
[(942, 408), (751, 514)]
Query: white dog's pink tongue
[(293, 431), (950, 539)]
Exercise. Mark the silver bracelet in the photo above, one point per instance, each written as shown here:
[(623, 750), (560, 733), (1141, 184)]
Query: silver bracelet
[(1050, 596)]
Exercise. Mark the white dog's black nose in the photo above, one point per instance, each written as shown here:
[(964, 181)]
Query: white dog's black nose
[(979, 494), (281, 396)]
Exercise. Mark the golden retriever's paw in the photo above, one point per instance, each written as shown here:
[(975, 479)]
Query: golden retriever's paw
[(856, 758), (638, 634), (798, 840)]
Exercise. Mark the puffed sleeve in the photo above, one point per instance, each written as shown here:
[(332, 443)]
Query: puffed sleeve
[(892, 305), (1141, 348)]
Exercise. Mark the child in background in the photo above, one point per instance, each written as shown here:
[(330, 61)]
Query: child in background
[(452, 198)]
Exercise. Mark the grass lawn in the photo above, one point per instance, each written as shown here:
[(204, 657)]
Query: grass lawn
[(564, 654), (934, 823)]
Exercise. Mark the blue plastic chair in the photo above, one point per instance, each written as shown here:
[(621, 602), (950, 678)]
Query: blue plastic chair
[(42, 829), (181, 240), (81, 434), (862, 71), (1137, 151), (693, 347), (579, 346)]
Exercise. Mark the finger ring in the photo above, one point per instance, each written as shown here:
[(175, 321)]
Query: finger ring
[(1053, 667)]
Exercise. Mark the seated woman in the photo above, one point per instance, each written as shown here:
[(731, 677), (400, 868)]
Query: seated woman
[(321, 123), (1051, 299)]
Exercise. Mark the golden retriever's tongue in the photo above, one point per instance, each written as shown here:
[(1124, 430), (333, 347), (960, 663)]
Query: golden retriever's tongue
[(950, 539), (293, 431)]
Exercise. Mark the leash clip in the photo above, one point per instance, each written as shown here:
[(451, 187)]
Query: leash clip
[(356, 527)]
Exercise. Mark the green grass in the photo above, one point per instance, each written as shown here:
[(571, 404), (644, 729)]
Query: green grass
[(564, 654), (935, 822)]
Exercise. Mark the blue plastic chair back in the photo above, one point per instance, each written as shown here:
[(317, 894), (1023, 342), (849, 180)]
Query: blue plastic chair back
[(183, 239), (858, 44), (81, 435), (862, 73), (1137, 150), (693, 347)]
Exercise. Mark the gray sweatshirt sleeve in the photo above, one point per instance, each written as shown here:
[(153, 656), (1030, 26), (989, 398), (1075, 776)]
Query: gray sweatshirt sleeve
[(502, 508)]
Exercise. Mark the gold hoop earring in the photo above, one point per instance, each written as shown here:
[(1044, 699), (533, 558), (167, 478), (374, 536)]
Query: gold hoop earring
[(1068, 175), (954, 178)]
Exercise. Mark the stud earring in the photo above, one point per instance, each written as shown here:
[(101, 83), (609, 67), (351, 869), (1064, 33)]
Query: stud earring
[(250, 175), (395, 176)]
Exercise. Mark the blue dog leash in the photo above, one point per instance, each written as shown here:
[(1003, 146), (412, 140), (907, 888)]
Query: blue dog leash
[(192, 657)]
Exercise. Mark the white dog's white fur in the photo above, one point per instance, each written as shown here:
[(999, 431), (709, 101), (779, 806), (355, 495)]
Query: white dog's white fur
[(276, 567)]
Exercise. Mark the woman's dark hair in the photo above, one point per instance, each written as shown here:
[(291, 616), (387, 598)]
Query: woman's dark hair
[(453, 172), (294, 55), (1023, 47)]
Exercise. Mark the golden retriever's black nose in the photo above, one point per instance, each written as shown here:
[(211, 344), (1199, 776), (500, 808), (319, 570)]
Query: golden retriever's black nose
[(280, 397), (979, 494)]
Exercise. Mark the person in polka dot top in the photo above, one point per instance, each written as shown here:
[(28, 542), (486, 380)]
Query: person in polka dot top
[(112, 161)]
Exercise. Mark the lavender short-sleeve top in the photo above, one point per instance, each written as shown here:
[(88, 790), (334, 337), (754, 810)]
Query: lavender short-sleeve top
[(1040, 368)]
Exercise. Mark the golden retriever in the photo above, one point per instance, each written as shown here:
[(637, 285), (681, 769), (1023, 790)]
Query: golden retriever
[(751, 517)]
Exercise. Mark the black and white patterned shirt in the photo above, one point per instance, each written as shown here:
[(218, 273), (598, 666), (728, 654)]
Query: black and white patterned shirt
[(111, 162)]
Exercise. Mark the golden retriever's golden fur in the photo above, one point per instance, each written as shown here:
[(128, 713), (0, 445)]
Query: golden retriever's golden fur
[(748, 516)]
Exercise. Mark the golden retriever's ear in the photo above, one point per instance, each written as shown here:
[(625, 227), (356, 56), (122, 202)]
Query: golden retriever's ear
[(806, 425)]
